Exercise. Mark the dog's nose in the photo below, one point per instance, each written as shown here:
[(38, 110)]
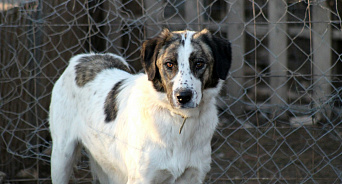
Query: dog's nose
[(184, 96)]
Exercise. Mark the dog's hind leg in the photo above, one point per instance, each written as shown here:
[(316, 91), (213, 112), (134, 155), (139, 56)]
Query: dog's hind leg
[(63, 158)]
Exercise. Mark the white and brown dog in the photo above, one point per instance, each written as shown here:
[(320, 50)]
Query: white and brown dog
[(131, 125)]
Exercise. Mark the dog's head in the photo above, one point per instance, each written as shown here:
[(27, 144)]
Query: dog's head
[(184, 63)]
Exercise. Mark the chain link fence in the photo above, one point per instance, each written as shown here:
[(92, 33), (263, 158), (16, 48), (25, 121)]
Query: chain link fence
[(280, 110)]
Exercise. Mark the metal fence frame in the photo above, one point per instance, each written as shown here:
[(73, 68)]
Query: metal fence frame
[(280, 110)]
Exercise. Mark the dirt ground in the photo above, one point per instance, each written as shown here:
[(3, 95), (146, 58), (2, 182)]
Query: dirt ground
[(267, 154)]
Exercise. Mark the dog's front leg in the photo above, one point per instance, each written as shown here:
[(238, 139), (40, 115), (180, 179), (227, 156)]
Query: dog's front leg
[(191, 175), (158, 177), (137, 181)]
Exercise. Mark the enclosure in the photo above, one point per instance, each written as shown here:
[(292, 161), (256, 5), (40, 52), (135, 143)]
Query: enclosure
[(280, 109)]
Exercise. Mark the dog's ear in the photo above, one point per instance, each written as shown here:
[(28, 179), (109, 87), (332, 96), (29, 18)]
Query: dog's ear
[(149, 53), (223, 57), (148, 57), (221, 51)]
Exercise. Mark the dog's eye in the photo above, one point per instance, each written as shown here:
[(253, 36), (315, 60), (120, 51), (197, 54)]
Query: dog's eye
[(199, 65), (169, 65)]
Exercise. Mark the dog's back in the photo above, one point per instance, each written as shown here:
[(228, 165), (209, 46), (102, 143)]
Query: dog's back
[(83, 85)]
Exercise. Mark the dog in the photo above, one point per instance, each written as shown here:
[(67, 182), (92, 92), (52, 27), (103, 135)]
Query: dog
[(153, 127)]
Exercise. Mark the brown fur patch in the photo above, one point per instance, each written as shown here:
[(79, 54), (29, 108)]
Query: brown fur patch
[(90, 66), (111, 106)]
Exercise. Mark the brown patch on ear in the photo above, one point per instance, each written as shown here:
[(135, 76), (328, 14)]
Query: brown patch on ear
[(198, 34), (165, 33), (149, 55)]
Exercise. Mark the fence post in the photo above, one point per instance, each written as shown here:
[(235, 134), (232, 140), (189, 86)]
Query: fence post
[(277, 43), (150, 12), (191, 14), (321, 37), (113, 32), (236, 35)]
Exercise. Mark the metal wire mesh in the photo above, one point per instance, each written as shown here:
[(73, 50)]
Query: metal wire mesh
[(280, 110)]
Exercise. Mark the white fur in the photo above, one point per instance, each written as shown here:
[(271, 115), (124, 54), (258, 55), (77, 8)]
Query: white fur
[(184, 79), (142, 145)]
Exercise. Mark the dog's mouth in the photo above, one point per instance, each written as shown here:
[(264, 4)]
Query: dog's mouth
[(185, 106)]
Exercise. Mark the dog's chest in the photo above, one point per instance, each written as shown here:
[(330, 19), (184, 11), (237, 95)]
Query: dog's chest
[(176, 163), (181, 153)]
